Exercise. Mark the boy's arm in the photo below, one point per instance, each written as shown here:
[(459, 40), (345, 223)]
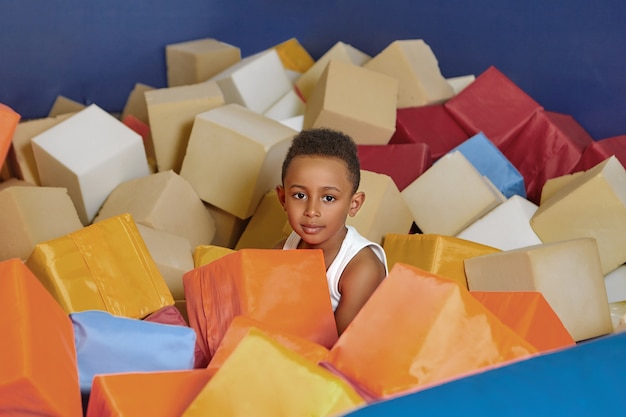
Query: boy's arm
[(359, 280)]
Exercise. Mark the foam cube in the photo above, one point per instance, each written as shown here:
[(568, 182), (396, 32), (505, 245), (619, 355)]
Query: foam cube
[(38, 375), (403, 162), (198, 60), (615, 282), (143, 129), (293, 56), (205, 254), (157, 394), (599, 150), (549, 145), (256, 82), (9, 120), (529, 315), (234, 157), (31, 215), (590, 205), (105, 266), (164, 201), (492, 104), (555, 184), (437, 329), (492, 163), (437, 254), (568, 274), (431, 125), (505, 227), (136, 103), (246, 282), (355, 100), (266, 226), (413, 63), (450, 196), (459, 83), (548, 384), (228, 228), (294, 123), (21, 156), (171, 112), (384, 211), (288, 106), (340, 51), (90, 154), (282, 383), (63, 105)]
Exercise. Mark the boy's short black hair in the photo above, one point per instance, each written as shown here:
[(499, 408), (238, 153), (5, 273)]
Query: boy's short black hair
[(328, 143)]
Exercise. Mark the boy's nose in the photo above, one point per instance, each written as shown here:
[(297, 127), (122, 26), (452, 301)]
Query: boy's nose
[(311, 210)]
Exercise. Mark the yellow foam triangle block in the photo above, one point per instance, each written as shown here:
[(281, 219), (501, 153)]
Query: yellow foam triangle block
[(263, 378), (205, 254), (105, 266)]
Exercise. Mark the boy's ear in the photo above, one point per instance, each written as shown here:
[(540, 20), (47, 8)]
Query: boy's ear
[(356, 203), (280, 192)]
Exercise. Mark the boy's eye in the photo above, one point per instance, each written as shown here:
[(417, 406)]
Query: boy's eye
[(299, 196), (328, 198)]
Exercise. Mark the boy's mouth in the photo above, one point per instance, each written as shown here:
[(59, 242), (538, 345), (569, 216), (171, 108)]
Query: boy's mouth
[(311, 228)]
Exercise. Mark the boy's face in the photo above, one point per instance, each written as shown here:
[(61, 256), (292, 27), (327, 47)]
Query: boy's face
[(317, 196)]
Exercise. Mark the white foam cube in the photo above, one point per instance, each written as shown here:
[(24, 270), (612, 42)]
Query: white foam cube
[(567, 273), (415, 66), (296, 123), (90, 154), (171, 112), (450, 195), (615, 282), (288, 106), (590, 205), (234, 157), (505, 227), (459, 83), (256, 82)]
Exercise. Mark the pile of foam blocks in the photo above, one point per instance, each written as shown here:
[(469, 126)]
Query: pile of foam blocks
[(138, 275)]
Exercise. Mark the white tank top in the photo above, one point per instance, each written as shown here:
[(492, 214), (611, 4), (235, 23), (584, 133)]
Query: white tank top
[(351, 245)]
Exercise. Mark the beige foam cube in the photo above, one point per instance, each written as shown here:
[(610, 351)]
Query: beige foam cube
[(355, 100), (136, 103), (90, 153), (64, 105), (450, 196), (340, 51), (256, 82), (590, 205), (567, 273), (415, 66), (164, 201), (234, 157), (228, 228), (505, 227), (384, 210), (172, 255), (13, 182), (171, 112), (266, 226), (31, 215), (553, 185), (21, 154), (198, 60)]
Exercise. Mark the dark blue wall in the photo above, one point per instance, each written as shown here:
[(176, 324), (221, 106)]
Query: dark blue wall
[(569, 55)]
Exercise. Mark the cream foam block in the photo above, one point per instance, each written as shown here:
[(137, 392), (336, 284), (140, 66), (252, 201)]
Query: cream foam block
[(136, 103), (354, 100), (22, 156), (64, 105), (198, 60), (234, 157), (171, 112), (415, 66), (90, 154), (288, 106), (567, 273), (172, 255), (266, 226), (615, 282), (384, 210), (458, 84), (555, 184), (505, 227), (339, 52), (450, 196), (228, 228), (31, 215), (164, 201), (255, 82), (590, 205)]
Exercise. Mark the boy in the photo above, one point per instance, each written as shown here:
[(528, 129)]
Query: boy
[(321, 175)]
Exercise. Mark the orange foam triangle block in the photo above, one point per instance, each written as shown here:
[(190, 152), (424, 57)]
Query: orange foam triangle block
[(154, 394), (8, 122), (419, 329), (439, 254), (285, 289), (529, 315), (38, 374), (105, 266), (241, 326), (262, 378)]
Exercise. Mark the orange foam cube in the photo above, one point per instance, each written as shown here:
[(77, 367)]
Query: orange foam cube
[(8, 122)]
